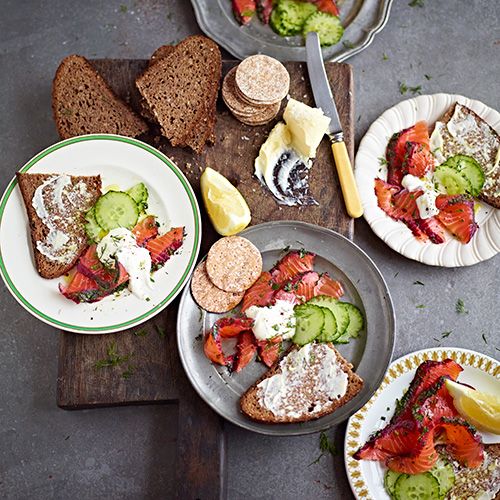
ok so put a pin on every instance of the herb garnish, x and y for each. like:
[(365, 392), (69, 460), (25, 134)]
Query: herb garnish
[(446, 334), (414, 90), (417, 3), (325, 445), (113, 358), (460, 307), (141, 333), (418, 283)]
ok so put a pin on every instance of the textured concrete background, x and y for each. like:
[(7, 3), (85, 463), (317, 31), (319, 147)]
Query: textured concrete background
[(47, 453)]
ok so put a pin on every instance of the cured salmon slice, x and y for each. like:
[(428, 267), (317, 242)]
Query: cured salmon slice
[(269, 350), (293, 263), (145, 230), (456, 213), (418, 159), (421, 459), (231, 327), (162, 248), (261, 292), (462, 442), (384, 193), (434, 403), (245, 349)]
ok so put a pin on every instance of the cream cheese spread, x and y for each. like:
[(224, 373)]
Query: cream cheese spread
[(120, 243), (284, 159), (59, 204), (310, 379), (272, 321)]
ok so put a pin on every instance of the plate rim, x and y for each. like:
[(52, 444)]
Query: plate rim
[(383, 8), (194, 208), (355, 422), (274, 430), (384, 227)]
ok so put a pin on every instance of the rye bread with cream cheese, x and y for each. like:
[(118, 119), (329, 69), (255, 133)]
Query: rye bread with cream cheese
[(57, 218), (462, 131), (482, 482), (181, 89), (303, 397)]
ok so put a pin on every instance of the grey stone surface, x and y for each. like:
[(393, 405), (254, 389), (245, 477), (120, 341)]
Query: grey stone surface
[(46, 453)]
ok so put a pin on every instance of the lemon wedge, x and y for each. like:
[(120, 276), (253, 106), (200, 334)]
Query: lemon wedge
[(481, 409), (226, 207)]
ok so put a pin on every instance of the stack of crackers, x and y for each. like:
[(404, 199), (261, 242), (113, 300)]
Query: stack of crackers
[(254, 89), (233, 265)]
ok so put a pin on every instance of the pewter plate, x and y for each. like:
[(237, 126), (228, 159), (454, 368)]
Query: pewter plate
[(364, 286), (361, 19)]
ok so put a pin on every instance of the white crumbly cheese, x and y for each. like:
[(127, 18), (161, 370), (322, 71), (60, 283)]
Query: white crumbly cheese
[(272, 321), (120, 243), (55, 202), (307, 126), (310, 378), (426, 202)]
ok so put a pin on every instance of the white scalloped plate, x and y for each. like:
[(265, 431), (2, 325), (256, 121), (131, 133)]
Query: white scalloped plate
[(366, 477), (484, 244)]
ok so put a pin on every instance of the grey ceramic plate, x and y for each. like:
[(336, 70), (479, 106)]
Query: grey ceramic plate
[(361, 19), (364, 286)]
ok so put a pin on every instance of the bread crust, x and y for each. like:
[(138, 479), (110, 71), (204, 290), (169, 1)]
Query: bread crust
[(46, 267), (83, 103), (251, 405)]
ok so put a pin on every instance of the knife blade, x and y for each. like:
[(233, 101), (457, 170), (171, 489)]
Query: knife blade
[(324, 100)]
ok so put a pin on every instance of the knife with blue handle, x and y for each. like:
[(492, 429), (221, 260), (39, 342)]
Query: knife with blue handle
[(324, 100)]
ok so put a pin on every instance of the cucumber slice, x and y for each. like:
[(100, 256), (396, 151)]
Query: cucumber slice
[(454, 181), (390, 478), (469, 167), (327, 26), (422, 486), (356, 323), (140, 194), (329, 331), (338, 309), (286, 19), (309, 322), (116, 209), (93, 230), (443, 471)]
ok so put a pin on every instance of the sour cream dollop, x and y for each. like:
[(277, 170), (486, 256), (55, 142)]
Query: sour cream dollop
[(274, 320), (120, 243), (426, 202)]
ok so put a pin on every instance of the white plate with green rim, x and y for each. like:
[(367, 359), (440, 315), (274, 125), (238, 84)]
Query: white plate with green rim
[(121, 162), (367, 477)]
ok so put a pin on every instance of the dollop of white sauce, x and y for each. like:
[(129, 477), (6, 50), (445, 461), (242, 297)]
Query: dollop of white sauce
[(120, 243), (315, 365), (271, 321), (426, 202)]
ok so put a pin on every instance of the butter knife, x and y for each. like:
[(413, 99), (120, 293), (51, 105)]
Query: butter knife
[(324, 100)]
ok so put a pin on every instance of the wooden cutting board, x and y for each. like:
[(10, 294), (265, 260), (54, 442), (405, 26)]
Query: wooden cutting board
[(156, 375)]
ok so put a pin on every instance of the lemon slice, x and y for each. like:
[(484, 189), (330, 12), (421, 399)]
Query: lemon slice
[(479, 408), (227, 209)]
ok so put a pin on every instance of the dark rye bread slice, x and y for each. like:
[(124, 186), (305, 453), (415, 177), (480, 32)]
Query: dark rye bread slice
[(305, 396), (66, 217), (474, 137), (181, 91), (482, 482), (83, 103)]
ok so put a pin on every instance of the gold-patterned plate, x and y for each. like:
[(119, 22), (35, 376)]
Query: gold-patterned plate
[(366, 477)]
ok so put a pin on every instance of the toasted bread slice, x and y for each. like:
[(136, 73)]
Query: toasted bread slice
[(83, 103), (56, 206), (462, 131), (483, 482), (181, 88), (309, 382)]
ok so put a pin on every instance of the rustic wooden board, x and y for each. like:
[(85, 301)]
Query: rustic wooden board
[(158, 376)]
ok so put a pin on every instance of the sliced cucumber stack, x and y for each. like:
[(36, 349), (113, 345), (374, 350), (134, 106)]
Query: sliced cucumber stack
[(461, 174), (309, 322), (327, 26), (116, 209)]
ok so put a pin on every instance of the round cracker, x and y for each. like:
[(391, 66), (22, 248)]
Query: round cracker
[(262, 79), (232, 99), (258, 119), (208, 296), (234, 264)]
